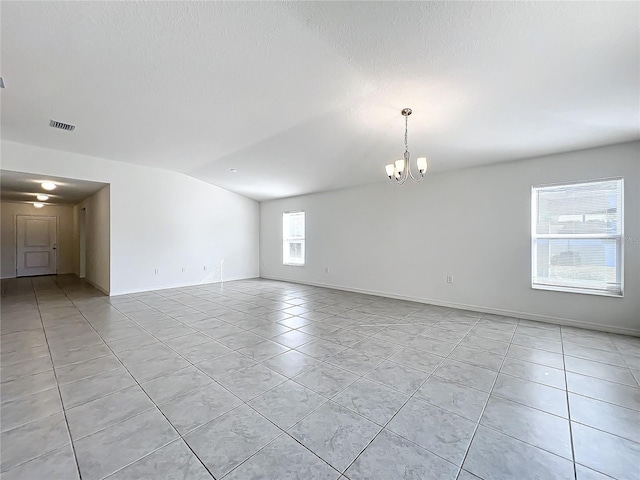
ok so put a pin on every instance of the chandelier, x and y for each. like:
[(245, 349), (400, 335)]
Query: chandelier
[(400, 171)]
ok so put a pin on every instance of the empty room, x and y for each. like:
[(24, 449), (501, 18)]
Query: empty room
[(372, 240)]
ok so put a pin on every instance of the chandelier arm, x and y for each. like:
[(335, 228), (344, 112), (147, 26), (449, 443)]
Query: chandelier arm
[(408, 172), (402, 178), (405, 172), (417, 180)]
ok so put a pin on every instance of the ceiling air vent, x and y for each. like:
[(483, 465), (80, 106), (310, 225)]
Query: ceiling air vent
[(62, 126)]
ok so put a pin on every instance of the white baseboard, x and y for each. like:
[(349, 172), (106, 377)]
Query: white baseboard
[(94, 285), (475, 308), (178, 285)]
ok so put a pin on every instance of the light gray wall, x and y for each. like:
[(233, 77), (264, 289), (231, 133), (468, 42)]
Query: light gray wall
[(158, 220), (66, 245), (473, 224), (97, 239)]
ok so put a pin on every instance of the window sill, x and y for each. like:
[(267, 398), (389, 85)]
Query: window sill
[(293, 264), (583, 291)]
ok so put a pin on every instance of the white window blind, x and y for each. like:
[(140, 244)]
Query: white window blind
[(293, 229), (577, 237)]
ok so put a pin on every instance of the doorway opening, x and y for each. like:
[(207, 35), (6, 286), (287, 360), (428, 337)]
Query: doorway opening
[(82, 242), (59, 230)]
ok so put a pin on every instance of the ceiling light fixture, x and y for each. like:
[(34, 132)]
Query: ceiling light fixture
[(48, 185), (38, 204), (400, 171), (42, 197)]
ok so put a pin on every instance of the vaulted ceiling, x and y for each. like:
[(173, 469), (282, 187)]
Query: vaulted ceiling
[(306, 96)]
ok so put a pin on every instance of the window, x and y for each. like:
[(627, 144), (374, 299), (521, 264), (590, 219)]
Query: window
[(293, 238), (577, 233)]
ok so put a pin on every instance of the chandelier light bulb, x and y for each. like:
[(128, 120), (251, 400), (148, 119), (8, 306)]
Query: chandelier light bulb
[(390, 170), (422, 165)]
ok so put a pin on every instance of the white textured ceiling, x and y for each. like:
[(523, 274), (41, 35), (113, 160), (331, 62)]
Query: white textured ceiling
[(306, 96), (23, 187)]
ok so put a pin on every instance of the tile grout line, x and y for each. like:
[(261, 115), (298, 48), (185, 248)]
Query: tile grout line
[(55, 375), (292, 379), (186, 393), (317, 339), (328, 400), (626, 363), (475, 431), (543, 411), (246, 403), (569, 407), (173, 351), (283, 431), (410, 398), (432, 325), (566, 384), (322, 361), (184, 299), (157, 408)]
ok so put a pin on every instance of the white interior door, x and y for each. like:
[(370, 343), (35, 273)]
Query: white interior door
[(37, 245)]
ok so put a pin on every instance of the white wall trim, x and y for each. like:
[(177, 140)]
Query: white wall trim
[(495, 311)]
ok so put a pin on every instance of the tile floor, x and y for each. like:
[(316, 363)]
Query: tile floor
[(259, 379)]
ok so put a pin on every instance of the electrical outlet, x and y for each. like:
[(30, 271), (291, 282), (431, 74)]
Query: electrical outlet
[(182, 269), (157, 271), (204, 268), (326, 269), (449, 278)]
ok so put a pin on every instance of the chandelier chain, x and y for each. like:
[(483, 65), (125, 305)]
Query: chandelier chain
[(406, 128)]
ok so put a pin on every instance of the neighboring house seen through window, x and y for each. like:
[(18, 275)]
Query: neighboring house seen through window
[(577, 237)]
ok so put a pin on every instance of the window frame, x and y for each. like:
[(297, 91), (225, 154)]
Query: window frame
[(618, 237), (287, 240)]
